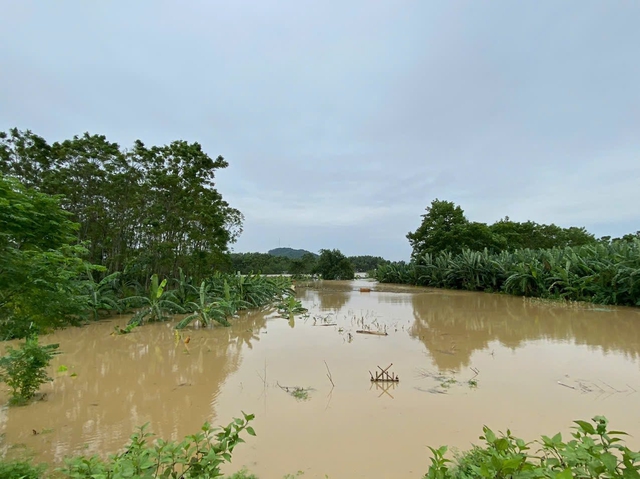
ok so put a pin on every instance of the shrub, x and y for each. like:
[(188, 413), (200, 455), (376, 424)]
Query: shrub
[(199, 455), (593, 452), (332, 264), (24, 369), (20, 470)]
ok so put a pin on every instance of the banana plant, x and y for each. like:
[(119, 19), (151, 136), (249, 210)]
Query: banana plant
[(203, 310), (101, 296), (290, 307), (157, 306), (185, 293)]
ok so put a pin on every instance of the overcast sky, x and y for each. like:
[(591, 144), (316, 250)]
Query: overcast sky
[(342, 121)]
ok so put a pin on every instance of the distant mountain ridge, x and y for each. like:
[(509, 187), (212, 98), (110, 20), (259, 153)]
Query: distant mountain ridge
[(290, 253)]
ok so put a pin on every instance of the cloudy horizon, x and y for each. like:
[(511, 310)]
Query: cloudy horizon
[(341, 122)]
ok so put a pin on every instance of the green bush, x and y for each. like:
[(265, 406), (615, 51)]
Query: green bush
[(332, 264), (20, 470), (594, 452), (199, 455), (24, 369)]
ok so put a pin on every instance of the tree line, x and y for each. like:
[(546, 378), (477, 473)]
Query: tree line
[(445, 227), (307, 264), (525, 259), (141, 210)]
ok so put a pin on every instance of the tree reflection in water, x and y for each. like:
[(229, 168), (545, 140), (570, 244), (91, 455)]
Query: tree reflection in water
[(453, 325)]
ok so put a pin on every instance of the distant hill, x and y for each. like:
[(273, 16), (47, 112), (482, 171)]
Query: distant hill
[(290, 253)]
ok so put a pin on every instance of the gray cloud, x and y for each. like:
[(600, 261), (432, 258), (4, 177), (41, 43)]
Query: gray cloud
[(342, 121)]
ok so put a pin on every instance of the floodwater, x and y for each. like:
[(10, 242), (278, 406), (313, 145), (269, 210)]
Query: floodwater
[(463, 359)]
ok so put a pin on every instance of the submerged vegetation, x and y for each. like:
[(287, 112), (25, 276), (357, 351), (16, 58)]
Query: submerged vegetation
[(24, 369), (599, 273), (222, 296), (46, 281)]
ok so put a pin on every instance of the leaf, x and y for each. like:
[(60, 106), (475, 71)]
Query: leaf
[(512, 464), (609, 461), (586, 427), (566, 474), (490, 436), (501, 444), (250, 431)]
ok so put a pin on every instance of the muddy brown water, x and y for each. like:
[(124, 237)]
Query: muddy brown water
[(521, 349)]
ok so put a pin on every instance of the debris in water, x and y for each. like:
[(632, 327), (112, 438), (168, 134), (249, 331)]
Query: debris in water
[(376, 333), (384, 375)]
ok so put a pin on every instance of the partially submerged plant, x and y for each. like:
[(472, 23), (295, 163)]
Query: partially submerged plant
[(290, 307), (206, 311), (222, 296), (101, 295), (24, 368), (117, 330), (298, 392), (446, 382), (185, 291), (157, 305)]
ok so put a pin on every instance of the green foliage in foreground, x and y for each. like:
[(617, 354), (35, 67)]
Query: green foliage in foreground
[(593, 452), (40, 264), (21, 469), (199, 455), (24, 369), (605, 273)]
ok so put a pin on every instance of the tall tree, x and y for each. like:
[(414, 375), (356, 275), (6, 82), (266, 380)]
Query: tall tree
[(439, 229), (145, 210), (332, 264)]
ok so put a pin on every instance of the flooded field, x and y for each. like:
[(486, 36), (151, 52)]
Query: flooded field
[(463, 359)]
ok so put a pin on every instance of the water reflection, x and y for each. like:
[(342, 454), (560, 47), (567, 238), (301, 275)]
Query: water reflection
[(397, 298), (328, 295), (453, 325)]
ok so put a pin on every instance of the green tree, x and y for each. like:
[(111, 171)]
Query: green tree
[(146, 210), (332, 264), (439, 230), (445, 228), (40, 264)]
